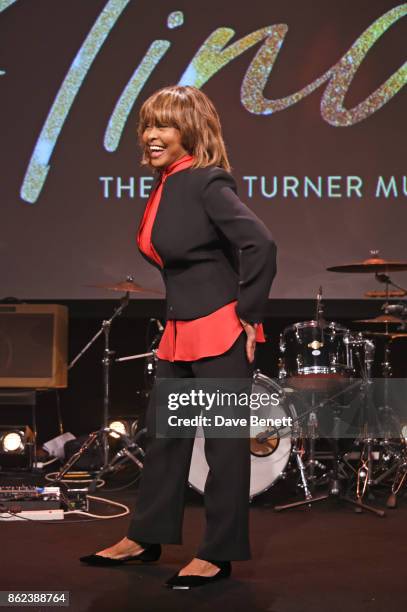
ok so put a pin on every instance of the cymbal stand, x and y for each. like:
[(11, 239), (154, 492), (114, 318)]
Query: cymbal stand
[(390, 450), (389, 419), (364, 471), (395, 451), (400, 466), (106, 363)]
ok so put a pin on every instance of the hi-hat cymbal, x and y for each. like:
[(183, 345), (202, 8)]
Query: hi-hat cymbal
[(127, 286), (372, 265), (381, 320)]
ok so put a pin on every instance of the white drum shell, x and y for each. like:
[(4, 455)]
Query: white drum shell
[(265, 471)]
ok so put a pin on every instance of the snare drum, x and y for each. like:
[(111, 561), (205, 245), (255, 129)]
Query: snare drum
[(314, 356), (268, 459)]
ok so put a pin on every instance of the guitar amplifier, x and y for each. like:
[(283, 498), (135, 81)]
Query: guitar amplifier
[(33, 345)]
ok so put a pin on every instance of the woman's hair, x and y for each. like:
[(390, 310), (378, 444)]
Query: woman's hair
[(190, 111)]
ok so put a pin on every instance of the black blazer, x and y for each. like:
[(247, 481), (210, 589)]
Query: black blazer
[(213, 247)]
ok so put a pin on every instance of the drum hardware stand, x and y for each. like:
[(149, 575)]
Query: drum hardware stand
[(106, 363), (301, 468), (263, 436), (139, 356), (364, 471), (334, 486), (312, 428), (400, 467), (385, 278), (398, 482), (389, 420)]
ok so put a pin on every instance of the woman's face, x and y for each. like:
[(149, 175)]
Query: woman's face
[(163, 145)]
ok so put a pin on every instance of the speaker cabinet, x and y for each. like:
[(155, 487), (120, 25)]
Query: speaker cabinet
[(33, 345)]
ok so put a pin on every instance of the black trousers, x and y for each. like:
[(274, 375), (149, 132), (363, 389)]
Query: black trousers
[(160, 503)]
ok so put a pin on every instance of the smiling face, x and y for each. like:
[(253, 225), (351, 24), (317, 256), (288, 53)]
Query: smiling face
[(180, 120), (162, 145)]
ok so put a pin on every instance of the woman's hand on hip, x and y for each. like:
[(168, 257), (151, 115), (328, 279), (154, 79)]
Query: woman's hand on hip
[(250, 339)]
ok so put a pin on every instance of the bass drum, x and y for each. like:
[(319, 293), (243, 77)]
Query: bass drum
[(269, 458)]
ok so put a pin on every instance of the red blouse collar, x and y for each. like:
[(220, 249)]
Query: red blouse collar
[(181, 164)]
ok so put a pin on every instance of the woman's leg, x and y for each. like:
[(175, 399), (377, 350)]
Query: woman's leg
[(228, 483), (160, 501)]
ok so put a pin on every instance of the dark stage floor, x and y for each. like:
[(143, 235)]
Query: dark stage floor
[(326, 558)]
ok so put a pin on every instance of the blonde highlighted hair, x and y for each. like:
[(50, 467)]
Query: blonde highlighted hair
[(190, 111)]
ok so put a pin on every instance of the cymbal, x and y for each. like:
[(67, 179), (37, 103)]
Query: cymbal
[(381, 320), (383, 294), (390, 335), (127, 286), (374, 264)]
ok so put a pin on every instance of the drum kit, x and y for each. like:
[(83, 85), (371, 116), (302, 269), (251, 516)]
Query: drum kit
[(325, 371)]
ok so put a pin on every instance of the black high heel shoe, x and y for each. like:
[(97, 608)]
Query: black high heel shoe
[(151, 553), (190, 581)]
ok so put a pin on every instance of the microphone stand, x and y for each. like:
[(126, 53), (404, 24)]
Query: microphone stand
[(128, 452)]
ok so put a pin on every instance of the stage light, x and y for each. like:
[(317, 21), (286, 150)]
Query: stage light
[(404, 431), (123, 425), (16, 447), (13, 442), (119, 427)]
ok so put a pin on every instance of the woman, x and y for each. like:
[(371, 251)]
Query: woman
[(218, 261)]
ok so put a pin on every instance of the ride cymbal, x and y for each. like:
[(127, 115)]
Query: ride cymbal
[(372, 265)]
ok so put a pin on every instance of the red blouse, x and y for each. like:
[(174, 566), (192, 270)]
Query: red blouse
[(207, 336)]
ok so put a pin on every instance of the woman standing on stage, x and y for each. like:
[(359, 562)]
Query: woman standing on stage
[(218, 261)]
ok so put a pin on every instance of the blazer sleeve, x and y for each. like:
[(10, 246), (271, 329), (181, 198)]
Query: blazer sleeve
[(247, 233)]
